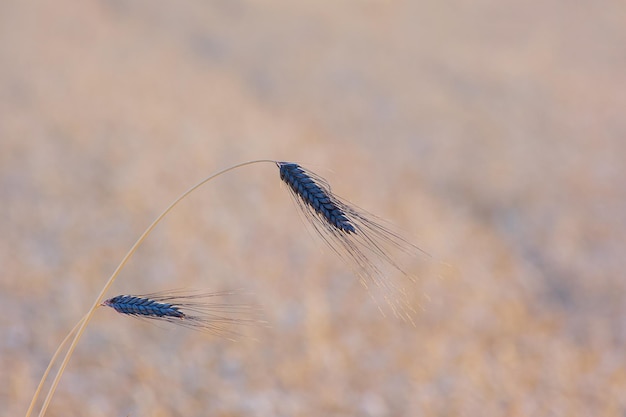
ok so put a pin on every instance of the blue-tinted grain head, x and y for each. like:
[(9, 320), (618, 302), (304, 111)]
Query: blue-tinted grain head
[(315, 193)]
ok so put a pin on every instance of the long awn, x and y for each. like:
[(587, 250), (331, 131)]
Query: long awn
[(357, 236), (195, 310)]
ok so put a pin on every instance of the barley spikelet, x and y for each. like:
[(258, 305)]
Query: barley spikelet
[(365, 241), (193, 310), (133, 305)]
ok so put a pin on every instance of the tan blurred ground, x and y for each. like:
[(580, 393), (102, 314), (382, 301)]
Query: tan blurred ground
[(493, 132)]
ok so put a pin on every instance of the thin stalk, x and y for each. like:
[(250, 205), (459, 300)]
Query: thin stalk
[(47, 371), (117, 271)]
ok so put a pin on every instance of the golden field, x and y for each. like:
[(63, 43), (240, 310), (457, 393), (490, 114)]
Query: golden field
[(492, 133)]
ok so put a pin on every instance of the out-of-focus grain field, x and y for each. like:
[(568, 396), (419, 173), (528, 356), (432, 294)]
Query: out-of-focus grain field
[(493, 133)]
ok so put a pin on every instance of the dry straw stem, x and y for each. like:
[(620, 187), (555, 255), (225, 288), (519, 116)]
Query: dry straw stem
[(357, 236), (47, 371)]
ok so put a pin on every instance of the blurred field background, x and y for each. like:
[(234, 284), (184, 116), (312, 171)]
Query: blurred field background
[(493, 133)]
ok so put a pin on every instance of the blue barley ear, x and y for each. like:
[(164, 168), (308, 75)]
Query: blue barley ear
[(192, 309), (315, 193), (362, 239), (142, 306)]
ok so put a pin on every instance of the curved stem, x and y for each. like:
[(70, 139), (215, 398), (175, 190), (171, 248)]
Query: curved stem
[(106, 287), (47, 371)]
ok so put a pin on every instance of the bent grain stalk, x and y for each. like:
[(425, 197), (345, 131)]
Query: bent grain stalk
[(357, 236), (111, 280)]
